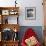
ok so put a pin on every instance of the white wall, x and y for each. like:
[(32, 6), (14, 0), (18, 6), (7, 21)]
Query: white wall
[(27, 3), (7, 3), (39, 12)]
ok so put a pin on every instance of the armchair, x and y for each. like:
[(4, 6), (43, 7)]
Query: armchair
[(30, 38)]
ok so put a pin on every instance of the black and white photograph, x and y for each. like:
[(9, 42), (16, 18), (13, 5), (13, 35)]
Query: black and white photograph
[(30, 13)]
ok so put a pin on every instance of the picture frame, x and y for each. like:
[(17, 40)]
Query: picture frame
[(5, 12), (30, 13)]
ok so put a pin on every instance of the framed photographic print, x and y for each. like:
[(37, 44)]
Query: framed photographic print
[(5, 12), (30, 13)]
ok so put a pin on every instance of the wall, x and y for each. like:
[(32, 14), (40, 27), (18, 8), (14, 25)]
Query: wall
[(7, 3), (25, 3), (39, 13)]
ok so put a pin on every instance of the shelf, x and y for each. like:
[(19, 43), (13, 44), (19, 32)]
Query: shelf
[(9, 19), (6, 12), (8, 15), (11, 41), (10, 26), (9, 10)]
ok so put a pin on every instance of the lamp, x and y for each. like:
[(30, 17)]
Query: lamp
[(15, 3)]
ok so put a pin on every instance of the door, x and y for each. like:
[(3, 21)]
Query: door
[(44, 6)]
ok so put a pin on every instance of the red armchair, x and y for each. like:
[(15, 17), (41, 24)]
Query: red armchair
[(28, 34)]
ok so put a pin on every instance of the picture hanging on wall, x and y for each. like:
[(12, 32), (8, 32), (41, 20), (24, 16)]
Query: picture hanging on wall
[(30, 13)]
